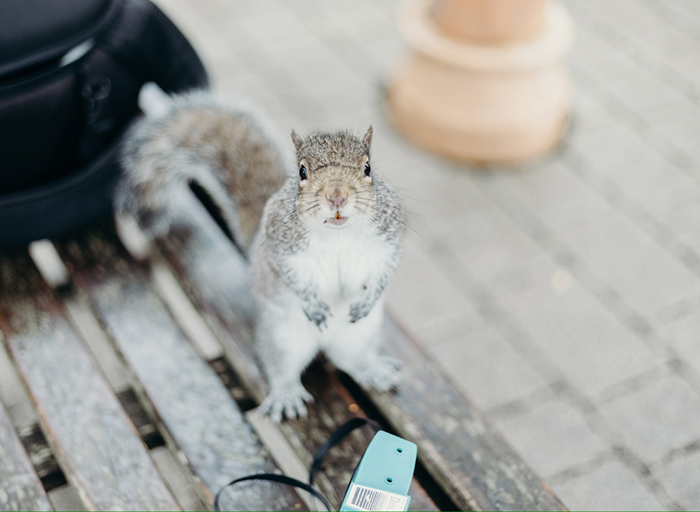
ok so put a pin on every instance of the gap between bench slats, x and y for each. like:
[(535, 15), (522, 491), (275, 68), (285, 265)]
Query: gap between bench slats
[(20, 487), (96, 445), (184, 392), (457, 444)]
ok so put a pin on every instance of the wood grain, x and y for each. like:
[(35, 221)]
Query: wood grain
[(218, 286), (96, 445), (20, 487), (188, 399)]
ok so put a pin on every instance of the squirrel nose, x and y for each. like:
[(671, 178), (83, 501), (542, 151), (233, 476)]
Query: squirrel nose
[(337, 200)]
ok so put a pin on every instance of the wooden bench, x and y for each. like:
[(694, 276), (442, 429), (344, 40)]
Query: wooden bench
[(117, 360)]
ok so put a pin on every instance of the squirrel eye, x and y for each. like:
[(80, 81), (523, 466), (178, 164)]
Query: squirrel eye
[(302, 173), (368, 169)]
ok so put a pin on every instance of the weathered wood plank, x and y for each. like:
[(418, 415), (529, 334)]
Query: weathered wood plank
[(20, 487), (94, 441), (185, 394), (219, 287)]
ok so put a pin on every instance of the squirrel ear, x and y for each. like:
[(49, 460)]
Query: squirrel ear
[(367, 139), (297, 140)]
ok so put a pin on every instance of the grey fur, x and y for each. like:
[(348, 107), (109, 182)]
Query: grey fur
[(270, 212), (283, 231), (226, 149)]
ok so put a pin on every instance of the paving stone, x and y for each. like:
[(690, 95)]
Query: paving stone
[(638, 170), (491, 245), (672, 200), (610, 63), (684, 135), (669, 112), (589, 48), (592, 349), (568, 216), (487, 368), (548, 186), (680, 478), (610, 486), (486, 260), (553, 437), (589, 115), (657, 418), (420, 295), (642, 272), (641, 90), (251, 90), (684, 336), (684, 223), (540, 273)]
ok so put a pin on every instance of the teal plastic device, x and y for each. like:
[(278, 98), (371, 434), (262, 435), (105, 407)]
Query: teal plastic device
[(383, 477)]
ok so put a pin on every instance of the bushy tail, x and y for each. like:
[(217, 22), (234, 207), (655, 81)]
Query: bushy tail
[(155, 172), (157, 166)]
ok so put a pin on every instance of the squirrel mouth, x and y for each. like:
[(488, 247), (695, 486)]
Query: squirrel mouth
[(337, 220)]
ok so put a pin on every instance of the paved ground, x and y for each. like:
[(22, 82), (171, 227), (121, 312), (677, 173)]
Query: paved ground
[(563, 297)]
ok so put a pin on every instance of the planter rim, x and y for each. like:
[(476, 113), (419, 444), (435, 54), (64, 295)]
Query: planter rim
[(548, 47)]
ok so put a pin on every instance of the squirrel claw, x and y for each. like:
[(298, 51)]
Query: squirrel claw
[(287, 403), (358, 312), (318, 317)]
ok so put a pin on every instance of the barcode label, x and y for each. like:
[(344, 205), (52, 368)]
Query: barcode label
[(366, 498)]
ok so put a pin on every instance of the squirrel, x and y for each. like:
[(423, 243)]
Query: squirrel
[(322, 241)]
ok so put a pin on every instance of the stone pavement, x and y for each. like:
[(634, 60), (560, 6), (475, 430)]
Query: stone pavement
[(563, 296)]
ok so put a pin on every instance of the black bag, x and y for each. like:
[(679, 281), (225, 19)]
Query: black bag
[(70, 73)]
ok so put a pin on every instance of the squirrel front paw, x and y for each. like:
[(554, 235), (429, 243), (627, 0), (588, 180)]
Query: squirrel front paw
[(381, 373), (288, 402), (359, 310), (317, 312)]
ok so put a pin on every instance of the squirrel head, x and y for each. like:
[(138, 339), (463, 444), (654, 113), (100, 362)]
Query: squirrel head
[(335, 177)]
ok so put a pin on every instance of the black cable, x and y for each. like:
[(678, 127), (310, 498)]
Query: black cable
[(334, 439), (273, 477)]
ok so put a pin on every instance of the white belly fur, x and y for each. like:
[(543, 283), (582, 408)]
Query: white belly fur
[(339, 264)]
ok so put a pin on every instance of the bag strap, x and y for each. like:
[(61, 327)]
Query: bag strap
[(337, 436)]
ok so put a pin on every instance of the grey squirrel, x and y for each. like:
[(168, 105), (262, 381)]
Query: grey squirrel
[(322, 240)]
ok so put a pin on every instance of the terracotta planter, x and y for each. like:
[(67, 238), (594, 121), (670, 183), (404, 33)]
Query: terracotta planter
[(490, 20), (483, 102)]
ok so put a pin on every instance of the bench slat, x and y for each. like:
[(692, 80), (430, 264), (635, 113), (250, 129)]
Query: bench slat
[(187, 396), (457, 444), (215, 277), (20, 488), (97, 446)]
